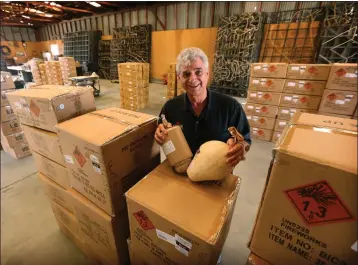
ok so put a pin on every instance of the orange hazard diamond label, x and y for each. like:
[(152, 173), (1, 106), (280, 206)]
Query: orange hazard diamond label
[(34, 109), (79, 157), (341, 72), (143, 220), (318, 203)]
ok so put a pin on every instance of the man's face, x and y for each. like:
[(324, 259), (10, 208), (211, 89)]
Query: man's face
[(194, 77)]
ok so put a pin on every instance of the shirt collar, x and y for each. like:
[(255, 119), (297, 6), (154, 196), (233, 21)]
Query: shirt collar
[(187, 104)]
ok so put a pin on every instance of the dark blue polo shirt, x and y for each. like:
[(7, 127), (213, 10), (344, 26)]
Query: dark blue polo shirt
[(220, 113)]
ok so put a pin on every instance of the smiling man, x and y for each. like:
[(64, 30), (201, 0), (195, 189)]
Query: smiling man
[(204, 115)]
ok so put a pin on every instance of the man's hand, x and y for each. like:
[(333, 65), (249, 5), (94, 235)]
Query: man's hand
[(235, 154), (160, 134)]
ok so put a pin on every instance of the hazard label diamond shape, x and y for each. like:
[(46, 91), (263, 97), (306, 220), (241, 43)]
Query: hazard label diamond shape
[(319, 203), (143, 220), (79, 156)]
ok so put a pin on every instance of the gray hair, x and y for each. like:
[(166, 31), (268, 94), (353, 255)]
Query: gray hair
[(188, 55)]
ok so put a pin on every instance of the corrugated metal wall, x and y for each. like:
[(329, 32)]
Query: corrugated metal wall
[(17, 34), (172, 16)]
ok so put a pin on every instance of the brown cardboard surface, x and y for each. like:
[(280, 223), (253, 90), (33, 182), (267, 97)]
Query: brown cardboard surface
[(300, 101), (275, 136), (172, 68), (18, 151), (56, 193), (10, 127), (66, 217), (262, 97), (256, 260), (266, 84), (343, 76), (261, 110), (107, 151), (304, 87), (44, 108), (356, 112), (52, 170), (45, 143), (4, 100), (285, 113), (13, 139), (334, 115), (274, 70), (308, 71), (134, 66), (261, 122), (338, 102), (314, 158), (7, 114), (193, 233), (261, 134), (6, 81), (132, 84), (102, 232), (281, 124)]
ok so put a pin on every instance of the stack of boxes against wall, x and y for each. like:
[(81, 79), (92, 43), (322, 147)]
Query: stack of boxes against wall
[(13, 139), (340, 96), (68, 68), (308, 211), (37, 71), (134, 85), (53, 72), (174, 88), (277, 91)]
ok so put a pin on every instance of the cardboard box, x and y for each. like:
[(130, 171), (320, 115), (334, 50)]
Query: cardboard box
[(4, 100), (261, 110), (7, 114), (262, 97), (281, 124), (308, 71), (102, 232), (266, 84), (275, 136), (312, 191), (256, 260), (18, 151), (304, 87), (6, 81), (52, 170), (261, 134), (356, 112), (172, 76), (172, 68), (343, 76), (171, 85), (57, 193), (10, 127), (261, 122), (133, 66), (338, 102), (45, 143), (133, 84), (286, 113), (118, 152), (334, 115), (300, 101), (44, 108), (13, 139), (193, 233), (66, 217), (273, 70)]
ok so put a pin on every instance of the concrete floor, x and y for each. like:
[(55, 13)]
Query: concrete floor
[(29, 232)]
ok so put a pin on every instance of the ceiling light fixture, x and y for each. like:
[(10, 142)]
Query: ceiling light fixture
[(21, 21), (46, 2), (26, 16), (52, 4), (94, 4), (48, 15), (58, 5)]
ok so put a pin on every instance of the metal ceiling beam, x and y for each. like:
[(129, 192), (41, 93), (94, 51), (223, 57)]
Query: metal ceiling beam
[(62, 7), (15, 24)]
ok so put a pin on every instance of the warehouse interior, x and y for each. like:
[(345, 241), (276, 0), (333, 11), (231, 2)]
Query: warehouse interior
[(292, 66)]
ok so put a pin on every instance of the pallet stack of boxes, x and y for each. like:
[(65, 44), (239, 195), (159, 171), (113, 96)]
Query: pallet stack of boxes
[(36, 71), (171, 81), (13, 140), (278, 90), (53, 72), (134, 85), (340, 96), (68, 67), (42, 69)]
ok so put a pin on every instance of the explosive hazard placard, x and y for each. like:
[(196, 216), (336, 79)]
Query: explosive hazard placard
[(318, 203)]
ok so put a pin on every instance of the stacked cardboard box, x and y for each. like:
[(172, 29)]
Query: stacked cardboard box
[(53, 72), (35, 70), (39, 111), (134, 85), (13, 139), (68, 67), (192, 233), (171, 81), (43, 74), (265, 89), (309, 206), (255, 260), (106, 153), (340, 96)]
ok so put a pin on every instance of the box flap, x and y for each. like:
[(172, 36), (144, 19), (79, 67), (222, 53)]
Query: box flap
[(199, 208), (101, 127), (332, 143)]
